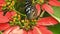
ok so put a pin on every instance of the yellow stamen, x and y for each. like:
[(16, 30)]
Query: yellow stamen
[(35, 20), (14, 20), (10, 0), (42, 1), (22, 20), (13, 3), (18, 16), (15, 15)]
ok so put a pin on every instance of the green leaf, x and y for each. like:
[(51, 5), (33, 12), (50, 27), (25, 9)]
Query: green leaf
[(55, 29), (56, 13), (0, 32), (19, 6)]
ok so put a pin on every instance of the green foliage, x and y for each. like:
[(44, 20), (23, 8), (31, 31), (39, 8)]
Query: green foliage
[(55, 29), (56, 13), (0, 32), (19, 6)]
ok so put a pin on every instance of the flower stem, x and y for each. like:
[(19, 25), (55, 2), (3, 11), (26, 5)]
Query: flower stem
[(42, 14), (0, 32), (33, 1), (20, 13)]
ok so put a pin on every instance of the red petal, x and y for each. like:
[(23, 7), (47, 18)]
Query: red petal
[(30, 32), (8, 30), (54, 3), (38, 9), (3, 19), (25, 32), (10, 14), (1, 13), (41, 30), (53, 0), (0, 8), (35, 31), (13, 13), (4, 26), (14, 30), (47, 8), (47, 21), (2, 2)]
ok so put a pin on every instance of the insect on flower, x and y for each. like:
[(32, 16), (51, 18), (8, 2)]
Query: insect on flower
[(31, 10)]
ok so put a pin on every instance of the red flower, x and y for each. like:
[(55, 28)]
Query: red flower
[(7, 17), (40, 26), (38, 9), (47, 21), (0, 8), (4, 26), (47, 7), (2, 2), (10, 14), (38, 29), (14, 30), (3, 19), (54, 2)]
